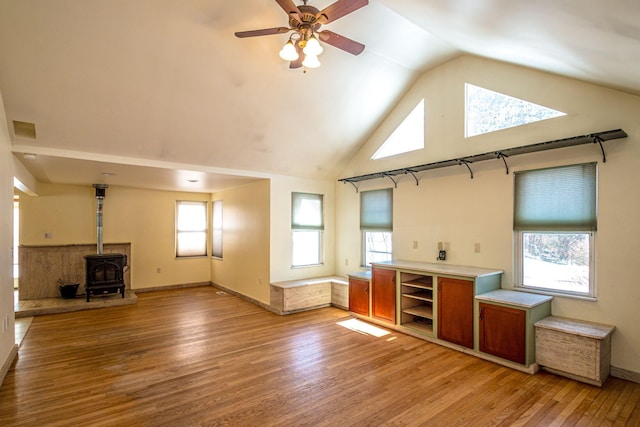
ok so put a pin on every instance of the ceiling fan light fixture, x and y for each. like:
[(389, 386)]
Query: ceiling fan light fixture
[(289, 52), (311, 61), (313, 46)]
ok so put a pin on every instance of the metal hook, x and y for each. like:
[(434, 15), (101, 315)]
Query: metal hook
[(598, 140), (466, 163), (395, 184), (412, 173), (503, 157)]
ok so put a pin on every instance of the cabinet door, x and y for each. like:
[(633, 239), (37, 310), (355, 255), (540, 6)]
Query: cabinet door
[(455, 311), (383, 295), (359, 296), (502, 332)]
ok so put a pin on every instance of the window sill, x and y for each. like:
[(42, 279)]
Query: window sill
[(555, 294), (295, 267)]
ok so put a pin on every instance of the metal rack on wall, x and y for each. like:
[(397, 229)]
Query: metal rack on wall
[(467, 161)]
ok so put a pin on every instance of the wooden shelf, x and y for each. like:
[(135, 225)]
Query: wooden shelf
[(420, 295), (423, 327), (425, 311), (424, 282)]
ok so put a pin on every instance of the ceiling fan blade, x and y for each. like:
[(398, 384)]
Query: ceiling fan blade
[(298, 62), (341, 42), (289, 7), (339, 9), (263, 32)]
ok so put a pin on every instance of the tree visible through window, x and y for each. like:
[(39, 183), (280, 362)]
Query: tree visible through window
[(488, 111)]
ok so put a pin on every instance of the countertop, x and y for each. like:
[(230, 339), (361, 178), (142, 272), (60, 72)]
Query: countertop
[(429, 267), (520, 299), (361, 275)]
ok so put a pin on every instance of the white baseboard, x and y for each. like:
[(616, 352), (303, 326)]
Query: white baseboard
[(625, 374), (7, 363)]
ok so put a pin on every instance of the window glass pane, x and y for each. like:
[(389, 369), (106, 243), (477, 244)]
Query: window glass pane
[(488, 111), (557, 261), (376, 210), (377, 246), (408, 136), (191, 229), (192, 243), (307, 248), (192, 216), (306, 211), (562, 198), (216, 249)]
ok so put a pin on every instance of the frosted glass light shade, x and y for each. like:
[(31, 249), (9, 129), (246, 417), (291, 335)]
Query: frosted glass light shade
[(311, 61), (313, 47), (289, 52)]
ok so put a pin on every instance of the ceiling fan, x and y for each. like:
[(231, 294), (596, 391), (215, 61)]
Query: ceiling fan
[(305, 21)]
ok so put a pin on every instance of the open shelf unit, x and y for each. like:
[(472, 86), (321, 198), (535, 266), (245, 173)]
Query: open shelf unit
[(417, 301)]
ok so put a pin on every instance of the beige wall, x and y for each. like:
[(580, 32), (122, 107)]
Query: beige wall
[(7, 336), (144, 218), (244, 266), (449, 206)]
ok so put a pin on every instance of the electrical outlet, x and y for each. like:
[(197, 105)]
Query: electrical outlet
[(415, 244), (47, 235), (346, 261), (476, 248), (158, 270)]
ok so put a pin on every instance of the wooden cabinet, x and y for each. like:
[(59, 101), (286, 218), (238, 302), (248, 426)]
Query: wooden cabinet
[(359, 296), (502, 332), (383, 294), (416, 293), (455, 311)]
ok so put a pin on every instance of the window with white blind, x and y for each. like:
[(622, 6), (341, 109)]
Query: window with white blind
[(216, 226), (191, 229), (555, 221), (307, 225), (376, 224)]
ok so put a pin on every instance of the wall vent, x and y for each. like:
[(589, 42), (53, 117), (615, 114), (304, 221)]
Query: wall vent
[(24, 129)]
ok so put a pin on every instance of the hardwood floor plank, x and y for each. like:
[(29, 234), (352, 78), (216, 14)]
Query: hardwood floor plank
[(196, 357)]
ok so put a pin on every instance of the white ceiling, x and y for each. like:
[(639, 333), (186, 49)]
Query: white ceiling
[(159, 92)]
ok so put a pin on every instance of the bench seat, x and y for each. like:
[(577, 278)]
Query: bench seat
[(305, 294)]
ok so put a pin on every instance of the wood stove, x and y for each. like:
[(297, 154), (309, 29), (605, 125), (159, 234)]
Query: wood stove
[(104, 274)]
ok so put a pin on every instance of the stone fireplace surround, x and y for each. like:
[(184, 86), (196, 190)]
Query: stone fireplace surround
[(41, 266)]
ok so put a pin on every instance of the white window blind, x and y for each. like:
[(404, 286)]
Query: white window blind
[(376, 210), (561, 198), (216, 244)]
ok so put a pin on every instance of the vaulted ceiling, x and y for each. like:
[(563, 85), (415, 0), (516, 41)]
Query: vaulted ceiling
[(159, 93)]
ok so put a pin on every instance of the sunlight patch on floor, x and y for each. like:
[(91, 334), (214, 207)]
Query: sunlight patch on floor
[(363, 328)]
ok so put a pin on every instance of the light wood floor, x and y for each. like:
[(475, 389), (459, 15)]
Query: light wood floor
[(195, 357)]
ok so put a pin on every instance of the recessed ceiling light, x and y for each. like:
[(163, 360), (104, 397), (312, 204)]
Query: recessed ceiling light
[(30, 156), (193, 181), (108, 174)]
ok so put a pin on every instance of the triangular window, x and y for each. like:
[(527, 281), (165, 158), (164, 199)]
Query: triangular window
[(488, 111), (408, 136)]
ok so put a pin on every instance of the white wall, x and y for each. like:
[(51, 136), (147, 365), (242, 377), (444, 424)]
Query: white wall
[(7, 337), (449, 206)]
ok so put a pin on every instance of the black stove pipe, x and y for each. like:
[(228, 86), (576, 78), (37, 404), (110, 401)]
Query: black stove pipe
[(100, 193)]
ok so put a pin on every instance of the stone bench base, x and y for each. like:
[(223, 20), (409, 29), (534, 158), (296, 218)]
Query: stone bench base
[(306, 294)]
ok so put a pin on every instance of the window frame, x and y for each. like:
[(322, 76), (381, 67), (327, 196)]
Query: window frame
[(298, 226), (179, 232), (217, 224), (581, 221)]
